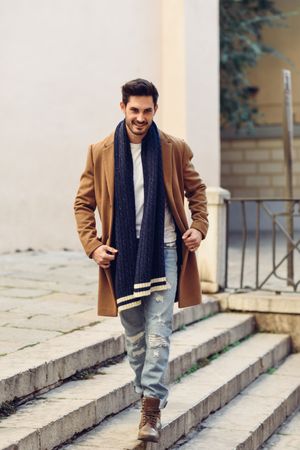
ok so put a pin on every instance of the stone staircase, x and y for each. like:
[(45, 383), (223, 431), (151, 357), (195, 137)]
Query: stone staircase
[(230, 387)]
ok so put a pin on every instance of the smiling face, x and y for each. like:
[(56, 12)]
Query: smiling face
[(139, 113)]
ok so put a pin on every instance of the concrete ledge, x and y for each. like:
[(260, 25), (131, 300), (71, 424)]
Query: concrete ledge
[(209, 287), (273, 313), (260, 301)]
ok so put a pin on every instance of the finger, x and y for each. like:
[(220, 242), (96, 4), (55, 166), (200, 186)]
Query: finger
[(186, 234), (191, 240), (110, 249), (107, 257)]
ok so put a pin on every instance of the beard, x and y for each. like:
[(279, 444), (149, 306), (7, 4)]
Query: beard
[(138, 128)]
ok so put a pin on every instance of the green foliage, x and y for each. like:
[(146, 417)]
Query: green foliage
[(241, 46)]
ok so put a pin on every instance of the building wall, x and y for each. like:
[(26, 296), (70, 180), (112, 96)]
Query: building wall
[(255, 168), (62, 65)]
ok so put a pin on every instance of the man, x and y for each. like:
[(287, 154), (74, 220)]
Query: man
[(137, 178)]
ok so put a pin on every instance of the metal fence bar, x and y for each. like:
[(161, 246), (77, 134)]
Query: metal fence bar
[(245, 235), (293, 244), (257, 232), (227, 243)]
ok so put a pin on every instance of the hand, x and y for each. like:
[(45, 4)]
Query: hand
[(103, 255), (192, 239)]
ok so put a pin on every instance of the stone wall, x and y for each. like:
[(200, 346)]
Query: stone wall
[(255, 167)]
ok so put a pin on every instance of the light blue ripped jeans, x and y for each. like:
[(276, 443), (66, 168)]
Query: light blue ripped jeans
[(147, 331)]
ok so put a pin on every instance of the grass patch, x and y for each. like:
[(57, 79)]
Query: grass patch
[(90, 372), (196, 366), (7, 408), (271, 370), (29, 345)]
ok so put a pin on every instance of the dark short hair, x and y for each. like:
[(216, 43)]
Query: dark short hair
[(139, 87)]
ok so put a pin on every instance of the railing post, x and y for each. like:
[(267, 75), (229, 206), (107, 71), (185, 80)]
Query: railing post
[(211, 256)]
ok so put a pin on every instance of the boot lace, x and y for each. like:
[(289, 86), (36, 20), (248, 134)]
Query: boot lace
[(149, 416)]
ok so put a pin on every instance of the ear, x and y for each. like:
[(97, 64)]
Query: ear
[(123, 107), (155, 108)]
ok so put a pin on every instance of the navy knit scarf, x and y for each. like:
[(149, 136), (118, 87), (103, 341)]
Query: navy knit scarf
[(139, 267)]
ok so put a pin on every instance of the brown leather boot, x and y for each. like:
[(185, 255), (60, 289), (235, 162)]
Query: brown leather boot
[(150, 420)]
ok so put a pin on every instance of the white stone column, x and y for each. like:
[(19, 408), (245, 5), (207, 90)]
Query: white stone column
[(202, 86), (172, 100), (211, 255)]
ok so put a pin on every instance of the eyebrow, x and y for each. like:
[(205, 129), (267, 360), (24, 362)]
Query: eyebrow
[(133, 108)]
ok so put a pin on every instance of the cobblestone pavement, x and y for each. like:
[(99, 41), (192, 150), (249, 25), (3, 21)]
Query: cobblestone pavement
[(48, 293)]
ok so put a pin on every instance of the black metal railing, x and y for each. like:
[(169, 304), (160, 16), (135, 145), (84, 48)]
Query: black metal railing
[(282, 227)]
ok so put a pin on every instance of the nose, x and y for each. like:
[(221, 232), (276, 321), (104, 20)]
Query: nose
[(140, 118)]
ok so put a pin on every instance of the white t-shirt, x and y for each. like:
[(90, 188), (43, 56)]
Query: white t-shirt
[(138, 179)]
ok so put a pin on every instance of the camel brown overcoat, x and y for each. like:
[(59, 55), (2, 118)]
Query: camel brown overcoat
[(96, 190)]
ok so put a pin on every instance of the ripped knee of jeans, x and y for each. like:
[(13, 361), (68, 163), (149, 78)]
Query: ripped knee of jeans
[(155, 341)]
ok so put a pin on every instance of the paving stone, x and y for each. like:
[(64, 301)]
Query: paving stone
[(7, 317), (69, 298), (14, 282), (11, 334), (53, 322), (12, 339), (10, 304), (23, 293), (39, 306)]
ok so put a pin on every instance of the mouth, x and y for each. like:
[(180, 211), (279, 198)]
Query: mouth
[(139, 125)]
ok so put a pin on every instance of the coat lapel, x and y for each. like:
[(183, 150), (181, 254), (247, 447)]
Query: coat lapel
[(109, 167), (167, 153)]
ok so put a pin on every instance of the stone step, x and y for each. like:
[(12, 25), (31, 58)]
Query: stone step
[(253, 415), (194, 397), (287, 437), (71, 408), (36, 369)]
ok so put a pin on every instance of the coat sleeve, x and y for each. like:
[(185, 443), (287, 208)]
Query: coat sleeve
[(84, 207), (195, 192)]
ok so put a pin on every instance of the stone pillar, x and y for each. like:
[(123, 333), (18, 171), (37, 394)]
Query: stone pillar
[(203, 87), (189, 100), (211, 255)]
